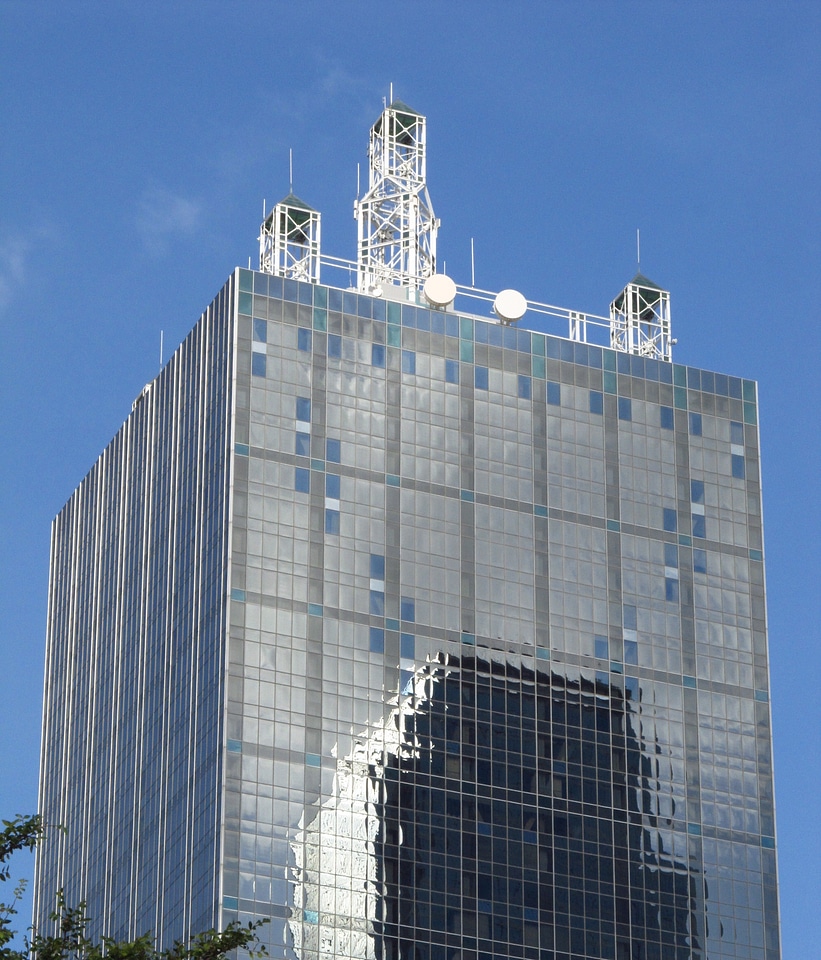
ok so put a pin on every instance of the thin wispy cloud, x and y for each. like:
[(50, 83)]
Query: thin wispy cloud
[(163, 215), (14, 256)]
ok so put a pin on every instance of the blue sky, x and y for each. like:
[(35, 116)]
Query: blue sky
[(137, 146)]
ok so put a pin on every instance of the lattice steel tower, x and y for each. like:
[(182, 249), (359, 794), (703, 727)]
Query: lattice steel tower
[(640, 320), (396, 225), (289, 241)]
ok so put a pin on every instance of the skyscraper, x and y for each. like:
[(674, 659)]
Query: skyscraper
[(416, 632)]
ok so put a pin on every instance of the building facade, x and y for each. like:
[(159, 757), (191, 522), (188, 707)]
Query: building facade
[(420, 636)]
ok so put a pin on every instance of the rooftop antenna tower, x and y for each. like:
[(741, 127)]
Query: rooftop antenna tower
[(395, 223), (289, 239), (640, 320)]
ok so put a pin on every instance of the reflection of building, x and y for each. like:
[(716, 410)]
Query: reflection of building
[(420, 635)]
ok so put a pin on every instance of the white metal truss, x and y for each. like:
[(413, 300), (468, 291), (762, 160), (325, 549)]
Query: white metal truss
[(396, 225), (289, 241), (640, 320)]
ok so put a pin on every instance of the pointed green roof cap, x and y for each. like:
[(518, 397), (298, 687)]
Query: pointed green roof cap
[(641, 281), (293, 201), (401, 107)]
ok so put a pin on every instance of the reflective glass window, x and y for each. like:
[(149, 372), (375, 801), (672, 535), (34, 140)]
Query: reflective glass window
[(596, 402), (695, 424), (377, 640), (554, 393), (333, 450), (480, 378), (258, 364), (670, 519), (332, 522), (736, 432), (260, 330), (303, 444), (302, 480), (334, 346), (303, 409), (666, 418), (303, 339), (738, 466)]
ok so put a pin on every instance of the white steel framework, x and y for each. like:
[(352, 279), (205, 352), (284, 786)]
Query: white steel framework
[(289, 241), (640, 320), (396, 225)]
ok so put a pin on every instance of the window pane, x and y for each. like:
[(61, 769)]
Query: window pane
[(333, 451), (302, 480)]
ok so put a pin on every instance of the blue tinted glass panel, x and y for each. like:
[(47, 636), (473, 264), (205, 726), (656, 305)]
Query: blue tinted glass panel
[(303, 339), (302, 480), (554, 394), (629, 615), (631, 651), (407, 646), (524, 387), (670, 520), (666, 418), (671, 589), (699, 526), (260, 330), (258, 364), (332, 522), (407, 609), (695, 424), (736, 432), (625, 408), (697, 491), (377, 640), (378, 355), (377, 606), (303, 444), (334, 346), (377, 567), (408, 361), (738, 466), (670, 555), (700, 561), (480, 378), (333, 451), (452, 371), (303, 409), (332, 484), (596, 402), (602, 648)]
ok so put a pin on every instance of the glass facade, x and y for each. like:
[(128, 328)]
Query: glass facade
[(431, 638)]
